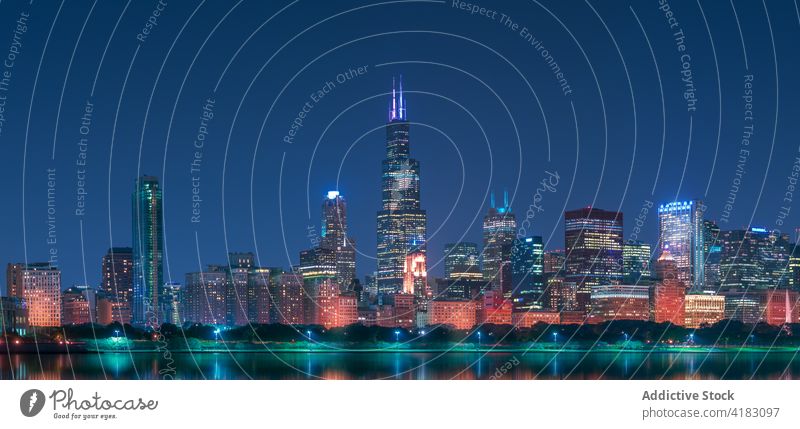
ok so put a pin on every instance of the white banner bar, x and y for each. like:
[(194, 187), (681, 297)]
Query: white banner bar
[(400, 404)]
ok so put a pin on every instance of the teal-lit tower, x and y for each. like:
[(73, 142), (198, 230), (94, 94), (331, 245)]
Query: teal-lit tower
[(401, 222), (148, 252)]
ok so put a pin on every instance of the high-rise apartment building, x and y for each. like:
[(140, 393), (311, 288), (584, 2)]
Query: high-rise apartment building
[(148, 251)]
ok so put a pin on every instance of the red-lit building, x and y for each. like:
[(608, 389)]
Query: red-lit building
[(526, 319), (404, 310), (460, 314), (780, 306), (573, 317), (338, 311), (668, 295), (415, 275), (495, 309), (78, 305)]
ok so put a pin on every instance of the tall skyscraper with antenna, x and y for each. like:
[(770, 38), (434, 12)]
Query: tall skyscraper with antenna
[(401, 222), (499, 232)]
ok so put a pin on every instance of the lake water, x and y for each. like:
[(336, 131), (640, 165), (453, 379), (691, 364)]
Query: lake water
[(412, 366)]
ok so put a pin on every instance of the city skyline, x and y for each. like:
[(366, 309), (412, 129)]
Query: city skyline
[(151, 125)]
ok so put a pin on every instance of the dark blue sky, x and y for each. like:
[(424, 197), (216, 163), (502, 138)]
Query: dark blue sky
[(473, 85)]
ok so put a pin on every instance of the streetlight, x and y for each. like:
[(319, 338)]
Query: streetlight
[(116, 332), (691, 338), (555, 337), (396, 338), (479, 339), (216, 333)]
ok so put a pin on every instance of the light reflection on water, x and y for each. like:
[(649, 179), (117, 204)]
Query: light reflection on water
[(403, 366)]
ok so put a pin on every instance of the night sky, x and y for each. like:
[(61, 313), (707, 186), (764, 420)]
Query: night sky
[(487, 112)]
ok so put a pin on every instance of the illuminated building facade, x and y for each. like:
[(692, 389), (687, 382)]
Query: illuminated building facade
[(13, 315), (794, 268), (171, 303), (780, 306), (593, 240), (401, 221), (237, 287), (39, 285), (668, 294), (619, 302), (259, 299), (415, 275), (499, 233), (148, 251), (117, 281), (334, 237), (559, 295), (461, 260), (318, 268), (289, 300), (404, 310), (205, 297), (681, 232), (460, 314), (753, 259), (526, 319), (712, 249), (527, 273), (703, 309), (78, 305), (554, 261), (744, 306), (495, 309), (636, 262)]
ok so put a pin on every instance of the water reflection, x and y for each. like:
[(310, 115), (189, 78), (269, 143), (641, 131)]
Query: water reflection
[(404, 366)]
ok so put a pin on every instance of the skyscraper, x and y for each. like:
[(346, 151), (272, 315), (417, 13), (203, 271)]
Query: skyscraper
[(681, 232), (39, 284), (335, 238), (461, 260), (148, 251), (117, 273), (401, 221), (712, 251), (636, 262), (593, 241), (753, 259), (499, 232), (318, 267), (667, 296), (527, 273)]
